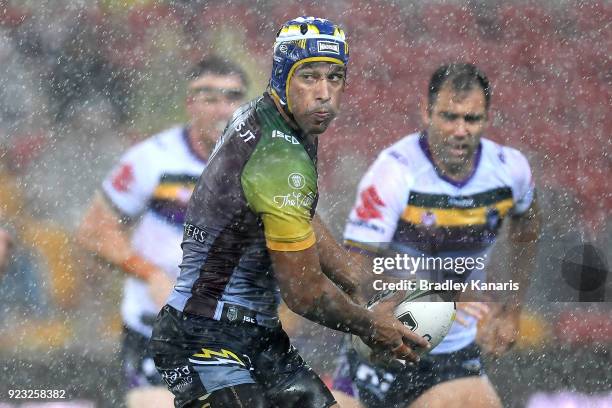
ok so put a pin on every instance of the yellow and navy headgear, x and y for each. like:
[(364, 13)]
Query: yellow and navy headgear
[(304, 39)]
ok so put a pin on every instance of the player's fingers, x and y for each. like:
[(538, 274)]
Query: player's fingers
[(411, 337), (480, 308), (403, 352), (461, 320), (474, 309)]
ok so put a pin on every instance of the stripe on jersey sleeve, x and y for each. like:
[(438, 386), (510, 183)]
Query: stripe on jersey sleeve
[(306, 243)]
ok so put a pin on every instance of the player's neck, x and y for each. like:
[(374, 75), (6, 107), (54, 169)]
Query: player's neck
[(284, 115), (455, 173)]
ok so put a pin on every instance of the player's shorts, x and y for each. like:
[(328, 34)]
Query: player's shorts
[(138, 366), (197, 356), (392, 387)]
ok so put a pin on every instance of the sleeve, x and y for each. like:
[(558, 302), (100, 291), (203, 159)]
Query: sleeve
[(131, 183), (381, 198), (283, 194), (523, 186)]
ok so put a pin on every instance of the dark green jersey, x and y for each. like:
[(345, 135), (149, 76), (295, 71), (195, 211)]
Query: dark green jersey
[(258, 191)]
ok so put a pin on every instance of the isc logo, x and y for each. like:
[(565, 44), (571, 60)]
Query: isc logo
[(288, 138)]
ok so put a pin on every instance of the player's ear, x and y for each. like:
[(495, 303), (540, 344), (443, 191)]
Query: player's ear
[(189, 103), (425, 112)]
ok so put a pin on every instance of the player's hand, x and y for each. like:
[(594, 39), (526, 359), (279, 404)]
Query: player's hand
[(499, 331), (477, 310), (160, 286), (389, 337)]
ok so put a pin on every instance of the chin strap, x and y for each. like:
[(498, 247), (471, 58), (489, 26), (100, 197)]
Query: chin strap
[(283, 107)]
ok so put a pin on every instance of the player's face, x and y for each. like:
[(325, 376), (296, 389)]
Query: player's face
[(454, 126), (314, 95), (211, 101)]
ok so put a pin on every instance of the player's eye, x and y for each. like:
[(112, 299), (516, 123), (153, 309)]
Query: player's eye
[(448, 116), (473, 118), (336, 77), (308, 76)]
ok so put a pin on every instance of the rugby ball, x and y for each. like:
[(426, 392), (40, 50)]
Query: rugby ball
[(425, 313)]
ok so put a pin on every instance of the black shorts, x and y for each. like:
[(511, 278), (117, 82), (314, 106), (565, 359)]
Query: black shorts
[(138, 366), (392, 387), (197, 356)]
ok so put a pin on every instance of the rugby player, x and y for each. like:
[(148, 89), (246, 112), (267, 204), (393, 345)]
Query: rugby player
[(136, 220), (250, 239), (445, 192)]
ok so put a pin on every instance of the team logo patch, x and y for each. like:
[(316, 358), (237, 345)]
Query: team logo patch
[(473, 365), (328, 47), (232, 313), (428, 218), (296, 180), (212, 357)]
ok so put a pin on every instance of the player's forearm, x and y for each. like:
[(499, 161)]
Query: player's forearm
[(332, 308), (522, 264), (524, 236), (101, 233), (340, 266)]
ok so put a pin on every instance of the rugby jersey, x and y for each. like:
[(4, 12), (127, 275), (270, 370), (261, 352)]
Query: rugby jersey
[(258, 191), (404, 203)]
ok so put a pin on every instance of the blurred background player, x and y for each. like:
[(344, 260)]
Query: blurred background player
[(444, 192), (135, 221), (250, 240)]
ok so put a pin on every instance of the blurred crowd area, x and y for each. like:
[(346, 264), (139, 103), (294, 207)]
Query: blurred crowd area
[(82, 80)]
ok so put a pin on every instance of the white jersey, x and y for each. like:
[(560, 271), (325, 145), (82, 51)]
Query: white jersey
[(404, 203), (152, 185)]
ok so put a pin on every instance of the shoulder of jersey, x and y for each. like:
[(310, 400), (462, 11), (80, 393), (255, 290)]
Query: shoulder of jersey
[(168, 139), (500, 156), (405, 152)]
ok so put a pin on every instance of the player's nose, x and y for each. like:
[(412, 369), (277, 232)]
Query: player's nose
[(461, 129), (322, 90)]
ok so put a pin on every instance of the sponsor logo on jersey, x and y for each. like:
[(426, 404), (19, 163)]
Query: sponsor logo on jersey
[(294, 199), (296, 180), (277, 134), (369, 204), (328, 47), (461, 201), (178, 378), (247, 135), (194, 232), (212, 357), (123, 178)]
